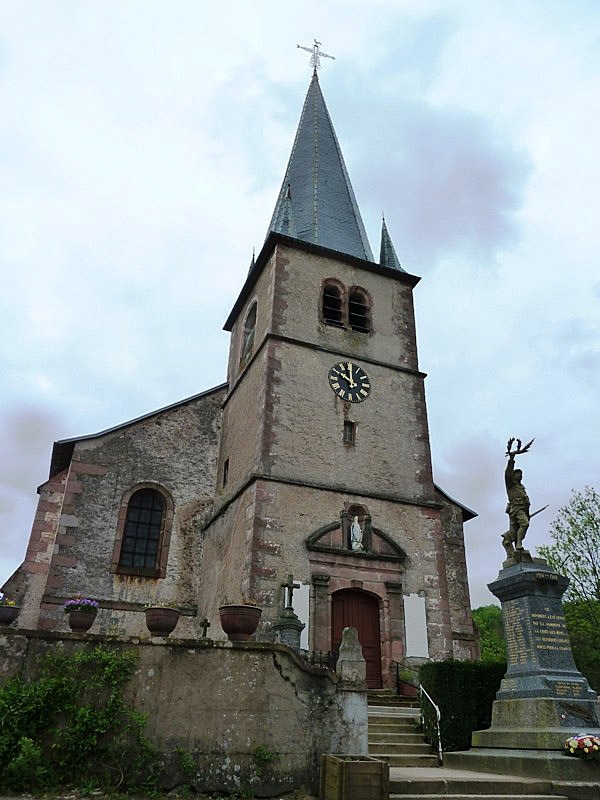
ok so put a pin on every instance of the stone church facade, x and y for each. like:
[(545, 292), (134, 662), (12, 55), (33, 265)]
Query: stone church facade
[(313, 459)]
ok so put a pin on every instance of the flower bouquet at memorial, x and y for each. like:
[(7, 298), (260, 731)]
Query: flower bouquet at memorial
[(81, 613), (584, 745)]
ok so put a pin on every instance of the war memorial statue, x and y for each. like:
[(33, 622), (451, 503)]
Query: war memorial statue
[(543, 698), (518, 505)]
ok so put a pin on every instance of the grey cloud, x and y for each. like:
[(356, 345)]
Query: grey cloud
[(26, 435), (447, 182)]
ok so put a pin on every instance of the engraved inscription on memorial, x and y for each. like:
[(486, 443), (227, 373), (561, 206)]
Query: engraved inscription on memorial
[(568, 689), (549, 631), (518, 636)]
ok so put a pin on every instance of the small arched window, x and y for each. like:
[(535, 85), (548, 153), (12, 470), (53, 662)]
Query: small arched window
[(143, 529), (359, 314), (332, 305), (248, 334)]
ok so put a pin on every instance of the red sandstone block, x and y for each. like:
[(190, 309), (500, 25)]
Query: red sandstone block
[(55, 582), (48, 505), (63, 561), (45, 526), (36, 567), (37, 547), (64, 539), (88, 469)]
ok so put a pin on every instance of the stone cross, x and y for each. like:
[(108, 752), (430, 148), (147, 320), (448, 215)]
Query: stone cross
[(289, 585), (205, 624)]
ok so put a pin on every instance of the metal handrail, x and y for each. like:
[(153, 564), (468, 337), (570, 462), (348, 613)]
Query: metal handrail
[(401, 664), (438, 716)]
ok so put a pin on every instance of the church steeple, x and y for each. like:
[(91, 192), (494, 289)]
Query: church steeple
[(316, 195)]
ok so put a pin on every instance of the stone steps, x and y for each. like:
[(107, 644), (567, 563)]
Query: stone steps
[(414, 771), (477, 794), (428, 784), (393, 735)]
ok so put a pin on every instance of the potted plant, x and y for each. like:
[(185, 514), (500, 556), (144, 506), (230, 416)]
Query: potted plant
[(346, 777), (239, 621), (81, 613), (161, 620), (9, 610)]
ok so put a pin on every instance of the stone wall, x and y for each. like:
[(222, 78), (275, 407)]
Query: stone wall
[(74, 550), (219, 702)]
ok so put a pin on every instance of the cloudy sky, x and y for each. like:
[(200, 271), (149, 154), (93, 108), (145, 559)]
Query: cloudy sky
[(142, 146)]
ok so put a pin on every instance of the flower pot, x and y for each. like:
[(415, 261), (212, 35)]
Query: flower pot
[(239, 622), (81, 620), (160, 620), (8, 614), (354, 778)]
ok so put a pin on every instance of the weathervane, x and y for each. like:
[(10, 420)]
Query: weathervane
[(315, 61)]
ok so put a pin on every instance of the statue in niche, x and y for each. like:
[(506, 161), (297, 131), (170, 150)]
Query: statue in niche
[(356, 535)]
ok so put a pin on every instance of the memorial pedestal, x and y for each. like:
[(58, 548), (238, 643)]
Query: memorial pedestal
[(543, 698)]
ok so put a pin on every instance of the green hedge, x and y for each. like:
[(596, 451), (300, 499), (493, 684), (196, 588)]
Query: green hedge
[(464, 692)]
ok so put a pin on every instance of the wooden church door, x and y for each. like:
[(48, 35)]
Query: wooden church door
[(351, 608)]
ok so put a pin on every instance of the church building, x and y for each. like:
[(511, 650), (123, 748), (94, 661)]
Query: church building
[(312, 460)]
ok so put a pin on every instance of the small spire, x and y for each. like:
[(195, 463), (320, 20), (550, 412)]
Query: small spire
[(253, 262), (387, 252)]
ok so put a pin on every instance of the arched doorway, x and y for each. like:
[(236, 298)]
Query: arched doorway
[(351, 608)]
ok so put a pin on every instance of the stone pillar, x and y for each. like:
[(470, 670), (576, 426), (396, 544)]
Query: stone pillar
[(288, 628), (320, 630), (543, 698), (351, 669)]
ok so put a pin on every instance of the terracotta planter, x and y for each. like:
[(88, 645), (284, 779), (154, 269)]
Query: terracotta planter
[(160, 620), (354, 778), (239, 622), (8, 614), (81, 620)]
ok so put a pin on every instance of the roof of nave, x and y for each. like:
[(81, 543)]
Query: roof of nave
[(63, 449)]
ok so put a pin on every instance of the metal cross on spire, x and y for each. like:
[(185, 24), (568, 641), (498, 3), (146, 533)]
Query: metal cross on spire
[(317, 54)]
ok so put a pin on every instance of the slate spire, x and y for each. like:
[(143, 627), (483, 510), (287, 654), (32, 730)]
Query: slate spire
[(316, 202), (387, 252)]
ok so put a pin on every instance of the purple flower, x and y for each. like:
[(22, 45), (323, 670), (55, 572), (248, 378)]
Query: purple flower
[(81, 604)]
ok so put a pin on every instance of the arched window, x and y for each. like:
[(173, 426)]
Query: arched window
[(143, 532), (248, 334), (359, 313), (331, 307), (143, 527)]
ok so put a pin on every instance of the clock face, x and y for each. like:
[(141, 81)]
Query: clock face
[(349, 381)]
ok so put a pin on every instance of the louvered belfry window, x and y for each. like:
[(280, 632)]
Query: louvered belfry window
[(143, 527), (332, 305), (358, 312)]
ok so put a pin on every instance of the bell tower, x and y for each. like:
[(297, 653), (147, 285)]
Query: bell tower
[(324, 468)]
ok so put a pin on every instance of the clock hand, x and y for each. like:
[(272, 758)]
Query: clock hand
[(349, 379)]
